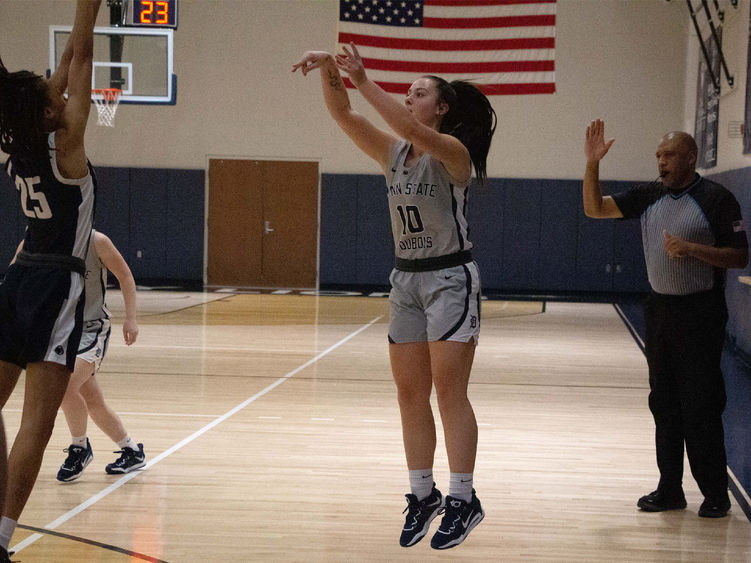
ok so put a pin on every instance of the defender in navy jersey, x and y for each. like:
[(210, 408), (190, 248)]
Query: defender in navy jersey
[(445, 130), (692, 231), (41, 305)]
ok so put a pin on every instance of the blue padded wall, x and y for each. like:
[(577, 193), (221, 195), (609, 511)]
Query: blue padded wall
[(737, 372), (521, 209), (487, 229), (738, 294), (736, 364), (356, 243), (148, 224), (594, 253), (159, 212), (629, 267), (338, 229), (112, 214), (559, 228), (184, 236), (374, 255)]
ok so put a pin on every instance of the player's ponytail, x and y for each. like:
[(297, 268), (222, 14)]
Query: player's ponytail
[(23, 98), (470, 118)]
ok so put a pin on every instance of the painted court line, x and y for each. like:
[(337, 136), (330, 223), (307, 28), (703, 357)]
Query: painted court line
[(167, 414), (631, 328), (127, 477)]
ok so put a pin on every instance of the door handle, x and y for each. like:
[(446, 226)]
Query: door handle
[(267, 228)]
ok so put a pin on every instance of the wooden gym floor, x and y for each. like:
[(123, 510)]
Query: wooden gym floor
[(272, 430)]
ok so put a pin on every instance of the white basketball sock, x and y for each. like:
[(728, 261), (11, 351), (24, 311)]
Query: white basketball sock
[(127, 442), (460, 486), (79, 441), (421, 482), (7, 527)]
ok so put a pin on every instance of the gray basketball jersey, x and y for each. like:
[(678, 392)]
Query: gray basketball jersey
[(96, 284), (428, 207)]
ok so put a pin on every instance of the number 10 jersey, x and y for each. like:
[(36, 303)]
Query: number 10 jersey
[(428, 207)]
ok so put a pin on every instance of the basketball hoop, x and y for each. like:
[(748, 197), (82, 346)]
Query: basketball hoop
[(106, 101)]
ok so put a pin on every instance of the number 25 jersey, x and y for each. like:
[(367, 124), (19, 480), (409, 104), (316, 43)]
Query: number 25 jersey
[(59, 210)]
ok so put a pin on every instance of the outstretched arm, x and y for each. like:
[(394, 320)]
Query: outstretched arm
[(372, 141), (72, 156), (447, 149), (59, 79), (595, 148), (115, 263)]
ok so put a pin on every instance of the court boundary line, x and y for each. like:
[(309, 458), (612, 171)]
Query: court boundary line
[(95, 543), (740, 494), (185, 441), (119, 313), (634, 333)]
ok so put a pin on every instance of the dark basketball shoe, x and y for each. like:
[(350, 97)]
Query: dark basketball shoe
[(659, 501), (459, 518), (128, 461), (420, 514), (709, 509), (77, 460)]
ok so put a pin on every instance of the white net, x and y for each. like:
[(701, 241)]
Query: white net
[(106, 101)]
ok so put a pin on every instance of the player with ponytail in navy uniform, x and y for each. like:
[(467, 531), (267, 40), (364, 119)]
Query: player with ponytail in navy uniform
[(41, 297), (443, 130)]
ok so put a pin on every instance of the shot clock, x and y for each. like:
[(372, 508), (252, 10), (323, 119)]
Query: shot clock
[(153, 13)]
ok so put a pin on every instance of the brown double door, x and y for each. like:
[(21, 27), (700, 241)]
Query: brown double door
[(262, 223)]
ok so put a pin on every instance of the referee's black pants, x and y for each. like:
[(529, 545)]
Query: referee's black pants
[(684, 339)]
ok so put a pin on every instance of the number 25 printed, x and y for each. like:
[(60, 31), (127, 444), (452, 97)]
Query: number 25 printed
[(34, 204)]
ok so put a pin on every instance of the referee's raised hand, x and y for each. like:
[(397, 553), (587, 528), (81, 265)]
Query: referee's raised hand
[(595, 147)]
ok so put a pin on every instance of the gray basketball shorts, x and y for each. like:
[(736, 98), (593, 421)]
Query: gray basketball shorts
[(93, 347), (436, 305)]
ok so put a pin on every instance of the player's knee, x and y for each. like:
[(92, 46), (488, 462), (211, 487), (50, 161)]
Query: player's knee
[(410, 396), (450, 395)]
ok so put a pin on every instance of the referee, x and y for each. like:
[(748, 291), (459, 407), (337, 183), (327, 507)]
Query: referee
[(692, 232)]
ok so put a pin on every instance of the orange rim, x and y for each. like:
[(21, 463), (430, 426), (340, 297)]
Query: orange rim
[(107, 93)]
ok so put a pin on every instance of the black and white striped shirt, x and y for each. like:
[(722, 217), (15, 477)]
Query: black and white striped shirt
[(705, 212)]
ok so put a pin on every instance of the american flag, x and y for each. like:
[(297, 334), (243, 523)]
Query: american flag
[(502, 46)]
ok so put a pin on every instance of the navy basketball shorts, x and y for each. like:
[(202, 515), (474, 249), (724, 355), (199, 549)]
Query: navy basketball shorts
[(94, 340), (41, 315), (436, 305)]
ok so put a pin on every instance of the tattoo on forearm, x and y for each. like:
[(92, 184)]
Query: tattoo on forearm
[(334, 80)]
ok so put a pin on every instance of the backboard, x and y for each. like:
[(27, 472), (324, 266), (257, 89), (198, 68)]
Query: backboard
[(138, 61)]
